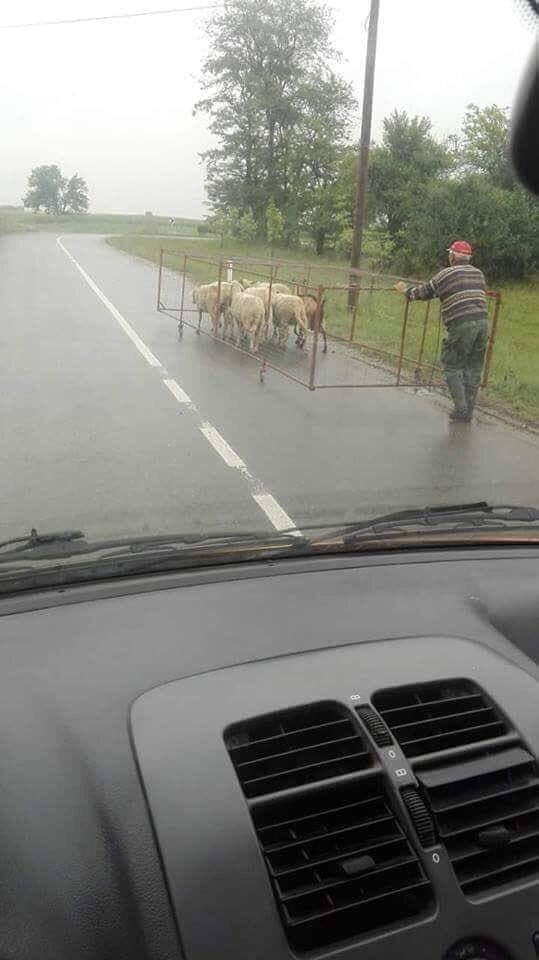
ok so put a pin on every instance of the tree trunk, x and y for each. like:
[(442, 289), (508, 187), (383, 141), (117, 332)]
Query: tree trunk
[(320, 242)]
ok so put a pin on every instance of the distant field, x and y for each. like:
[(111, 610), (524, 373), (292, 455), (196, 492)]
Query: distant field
[(14, 220), (514, 380)]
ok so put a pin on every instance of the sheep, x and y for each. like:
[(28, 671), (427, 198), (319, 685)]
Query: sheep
[(205, 298), (247, 311), (311, 309), (289, 310)]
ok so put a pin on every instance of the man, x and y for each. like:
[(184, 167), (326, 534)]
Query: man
[(461, 289)]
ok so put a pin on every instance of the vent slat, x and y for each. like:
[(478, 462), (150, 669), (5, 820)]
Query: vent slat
[(343, 852), (439, 716), (431, 708), (282, 761), (498, 868), (453, 738), (303, 745), (363, 901), (475, 796), (328, 823), (347, 809), (486, 810), (451, 721), (309, 773), (467, 823), (318, 733), (466, 852), (390, 854)]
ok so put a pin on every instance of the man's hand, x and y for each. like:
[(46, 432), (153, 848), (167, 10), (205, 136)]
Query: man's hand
[(400, 287)]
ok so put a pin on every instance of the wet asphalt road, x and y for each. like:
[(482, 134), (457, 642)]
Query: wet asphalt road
[(91, 437)]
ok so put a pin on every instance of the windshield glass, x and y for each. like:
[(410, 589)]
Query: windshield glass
[(265, 268)]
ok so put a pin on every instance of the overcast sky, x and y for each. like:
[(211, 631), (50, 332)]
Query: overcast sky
[(113, 101)]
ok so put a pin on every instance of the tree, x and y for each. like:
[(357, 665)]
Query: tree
[(274, 224), (74, 195), (48, 189), (247, 227), (502, 225), (483, 145), (274, 105), (45, 185), (408, 158)]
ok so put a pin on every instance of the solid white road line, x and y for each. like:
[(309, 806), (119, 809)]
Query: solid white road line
[(126, 327), (278, 517)]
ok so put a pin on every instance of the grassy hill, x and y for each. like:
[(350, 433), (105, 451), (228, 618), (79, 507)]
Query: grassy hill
[(16, 219)]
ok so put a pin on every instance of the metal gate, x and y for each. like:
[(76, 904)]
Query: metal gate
[(363, 333)]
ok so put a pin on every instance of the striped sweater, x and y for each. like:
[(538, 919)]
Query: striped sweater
[(461, 289)]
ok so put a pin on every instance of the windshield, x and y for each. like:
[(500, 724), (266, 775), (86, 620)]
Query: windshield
[(265, 270)]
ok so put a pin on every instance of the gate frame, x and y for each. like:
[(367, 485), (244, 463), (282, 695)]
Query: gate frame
[(231, 263)]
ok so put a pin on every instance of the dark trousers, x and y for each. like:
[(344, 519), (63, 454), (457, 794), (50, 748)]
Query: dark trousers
[(463, 356)]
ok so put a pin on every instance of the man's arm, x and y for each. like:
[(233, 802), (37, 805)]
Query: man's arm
[(423, 291)]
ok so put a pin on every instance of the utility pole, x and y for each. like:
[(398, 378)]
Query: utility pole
[(364, 143)]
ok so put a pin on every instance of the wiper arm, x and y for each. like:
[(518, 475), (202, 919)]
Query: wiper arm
[(35, 539), (460, 517), (73, 544)]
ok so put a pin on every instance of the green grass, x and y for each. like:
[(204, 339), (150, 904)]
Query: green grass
[(15, 220), (514, 380)]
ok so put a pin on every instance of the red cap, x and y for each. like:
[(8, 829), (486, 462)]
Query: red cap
[(461, 246)]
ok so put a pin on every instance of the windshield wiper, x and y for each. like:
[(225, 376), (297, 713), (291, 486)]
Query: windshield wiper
[(462, 517), (35, 539)]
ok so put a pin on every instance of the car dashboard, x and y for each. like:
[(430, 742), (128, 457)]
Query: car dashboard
[(332, 757)]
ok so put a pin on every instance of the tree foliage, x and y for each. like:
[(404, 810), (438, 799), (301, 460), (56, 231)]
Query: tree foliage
[(50, 191), (278, 111), (483, 144), (502, 225), (408, 157)]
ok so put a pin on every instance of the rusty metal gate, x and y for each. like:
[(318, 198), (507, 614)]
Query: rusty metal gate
[(363, 333)]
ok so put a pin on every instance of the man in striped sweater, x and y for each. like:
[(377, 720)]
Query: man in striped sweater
[(461, 289)]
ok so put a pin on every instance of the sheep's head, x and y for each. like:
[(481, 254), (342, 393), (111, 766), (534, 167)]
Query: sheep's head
[(235, 288)]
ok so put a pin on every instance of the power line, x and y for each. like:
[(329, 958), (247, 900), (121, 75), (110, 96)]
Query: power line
[(113, 16)]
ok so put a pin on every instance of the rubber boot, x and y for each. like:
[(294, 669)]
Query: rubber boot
[(455, 383)]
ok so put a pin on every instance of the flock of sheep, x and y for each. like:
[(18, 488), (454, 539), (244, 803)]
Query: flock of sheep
[(256, 313)]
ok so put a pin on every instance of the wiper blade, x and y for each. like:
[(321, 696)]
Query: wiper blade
[(74, 544), (459, 517), (35, 539)]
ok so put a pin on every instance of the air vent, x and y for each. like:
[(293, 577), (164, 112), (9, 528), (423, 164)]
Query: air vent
[(437, 716), (487, 813), (295, 747), (339, 862)]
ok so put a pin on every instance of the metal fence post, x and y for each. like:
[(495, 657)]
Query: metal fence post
[(312, 371), (491, 339), (423, 338), (159, 279), (355, 295), (403, 337)]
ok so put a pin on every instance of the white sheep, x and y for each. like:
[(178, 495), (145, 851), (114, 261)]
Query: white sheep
[(247, 311), (288, 311), (205, 297)]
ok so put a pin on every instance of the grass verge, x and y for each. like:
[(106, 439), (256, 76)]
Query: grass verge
[(514, 381), (16, 220)]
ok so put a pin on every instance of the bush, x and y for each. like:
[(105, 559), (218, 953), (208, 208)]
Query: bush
[(502, 226)]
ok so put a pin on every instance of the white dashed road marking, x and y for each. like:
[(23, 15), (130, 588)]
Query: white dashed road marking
[(278, 517)]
